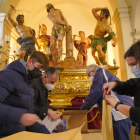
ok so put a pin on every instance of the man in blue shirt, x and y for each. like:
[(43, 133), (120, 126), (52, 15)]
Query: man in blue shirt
[(98, 76)]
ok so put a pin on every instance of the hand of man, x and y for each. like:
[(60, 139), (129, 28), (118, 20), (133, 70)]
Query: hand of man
[(111, 101), (109, 86), (28, 119), (53, 115)]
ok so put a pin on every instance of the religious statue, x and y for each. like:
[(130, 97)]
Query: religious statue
[(44, 40), (27, 35), (60, 25), (82, 45), (99, 41)]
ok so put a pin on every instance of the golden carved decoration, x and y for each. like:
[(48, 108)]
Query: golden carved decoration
[(72, 83)]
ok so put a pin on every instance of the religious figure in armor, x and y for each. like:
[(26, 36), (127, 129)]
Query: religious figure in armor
[(27, 35), (60, 25), (99, 41), (44, 40), (82, 45)]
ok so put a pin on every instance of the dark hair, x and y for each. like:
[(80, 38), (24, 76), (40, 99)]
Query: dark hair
[(134, 51), (40, 57), (82, 32), (51, 6), (50, 71), (107, 13), (17, 18)]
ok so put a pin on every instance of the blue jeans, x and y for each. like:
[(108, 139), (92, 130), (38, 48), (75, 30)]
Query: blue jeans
[(121, 129)]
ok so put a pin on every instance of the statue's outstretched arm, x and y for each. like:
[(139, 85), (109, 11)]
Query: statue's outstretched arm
[(73, 39), (9, 16), (114, 38), (89, 41), (95, 10), (33, 34)]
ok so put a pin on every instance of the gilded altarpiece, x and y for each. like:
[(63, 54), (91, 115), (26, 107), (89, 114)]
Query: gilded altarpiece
[(73, 82)]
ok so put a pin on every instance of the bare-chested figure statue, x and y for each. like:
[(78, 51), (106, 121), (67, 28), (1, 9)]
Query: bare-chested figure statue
[(98, 41), (82, 45), (27, 35), (60, 25)]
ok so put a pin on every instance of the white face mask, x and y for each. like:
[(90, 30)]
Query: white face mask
[(91, 78), (49, 86)]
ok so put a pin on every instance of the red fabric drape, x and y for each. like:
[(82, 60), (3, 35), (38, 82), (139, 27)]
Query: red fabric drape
[(96, 123)]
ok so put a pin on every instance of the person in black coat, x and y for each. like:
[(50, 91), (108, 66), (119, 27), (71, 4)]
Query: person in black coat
[(42, 86), (16, 95), (131, 87)]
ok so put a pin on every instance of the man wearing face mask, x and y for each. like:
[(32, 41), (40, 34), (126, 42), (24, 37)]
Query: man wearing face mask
[(98, 77), (42, 86), (16, 96)]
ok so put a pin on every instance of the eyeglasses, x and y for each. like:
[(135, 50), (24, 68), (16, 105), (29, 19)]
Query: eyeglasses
[(89, 73)]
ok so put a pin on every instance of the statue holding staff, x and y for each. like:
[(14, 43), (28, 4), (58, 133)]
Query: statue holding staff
[(27, 35)]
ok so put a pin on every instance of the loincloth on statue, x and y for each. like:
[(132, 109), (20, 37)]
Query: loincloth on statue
[(58, 31), (27, 44), (101, 41)]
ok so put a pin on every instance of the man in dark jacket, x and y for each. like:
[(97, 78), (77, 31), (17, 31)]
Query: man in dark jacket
[(42, 86), (121, 124), (16, 96)]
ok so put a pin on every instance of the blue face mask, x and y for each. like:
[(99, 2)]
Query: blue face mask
[(136, 71)]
